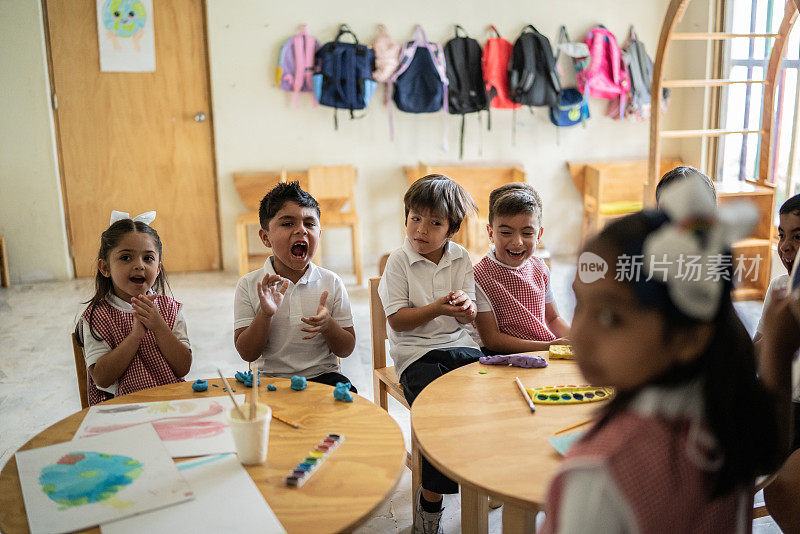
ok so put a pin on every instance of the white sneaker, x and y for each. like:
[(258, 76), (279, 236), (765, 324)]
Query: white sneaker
[(426, 522)]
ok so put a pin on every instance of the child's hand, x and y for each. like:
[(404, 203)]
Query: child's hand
[(271, 292), (147, 313), (138, 331), (321, 322), (560, 341), (466, 306)]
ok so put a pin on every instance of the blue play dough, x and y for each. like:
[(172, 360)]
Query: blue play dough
[(271, 388), (200, 385), (246, 378), (299, 383), (342, 392)]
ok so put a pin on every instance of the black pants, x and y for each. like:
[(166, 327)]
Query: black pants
[(796, 416), (331, 379), (414, 379)]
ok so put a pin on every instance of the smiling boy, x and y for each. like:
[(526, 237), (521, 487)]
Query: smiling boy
[(291, 315), (516, 308)]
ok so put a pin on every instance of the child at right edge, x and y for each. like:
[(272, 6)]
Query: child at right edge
[(427, 291)]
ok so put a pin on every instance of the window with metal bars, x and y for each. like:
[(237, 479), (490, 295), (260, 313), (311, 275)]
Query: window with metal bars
[(741, 104)]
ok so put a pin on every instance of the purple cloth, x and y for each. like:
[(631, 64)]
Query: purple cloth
[(515, 360)]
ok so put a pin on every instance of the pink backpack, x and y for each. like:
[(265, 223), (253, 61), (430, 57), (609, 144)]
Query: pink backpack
[(606, 77), (387, 55), (296, 64)]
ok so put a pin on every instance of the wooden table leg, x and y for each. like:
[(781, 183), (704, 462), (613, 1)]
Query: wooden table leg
[(517, 519), (474, 511)]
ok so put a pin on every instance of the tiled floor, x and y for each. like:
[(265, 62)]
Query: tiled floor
[(36, 319)]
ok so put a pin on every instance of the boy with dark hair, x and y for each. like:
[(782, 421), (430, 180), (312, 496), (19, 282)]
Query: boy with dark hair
[(428, 291), (516, 307), (291, 315), (684, 172)]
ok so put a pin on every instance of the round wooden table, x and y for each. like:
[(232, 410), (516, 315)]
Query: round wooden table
[(478, 430), (359, 477)]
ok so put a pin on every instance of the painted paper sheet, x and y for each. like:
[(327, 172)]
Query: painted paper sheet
[(188, 427), (125, 35), (226, 500), (79, 484)]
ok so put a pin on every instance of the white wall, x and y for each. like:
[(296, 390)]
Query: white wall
[(256, 128), (31, 208)]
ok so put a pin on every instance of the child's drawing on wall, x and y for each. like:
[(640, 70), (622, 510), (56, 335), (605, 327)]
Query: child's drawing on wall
[(125, 35), (124, 18)]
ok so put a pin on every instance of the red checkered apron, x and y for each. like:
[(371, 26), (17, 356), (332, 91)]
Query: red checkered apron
[(517, 296), (649, 460), (148, 368)]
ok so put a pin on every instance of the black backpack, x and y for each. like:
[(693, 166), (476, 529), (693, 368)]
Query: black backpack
[(532, 76), (466, 89)]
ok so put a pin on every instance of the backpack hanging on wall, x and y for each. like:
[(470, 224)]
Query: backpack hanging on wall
[(466, 92), (572, 107), (532, 76), (640, 71), (343, 74), (387, 55), (296, 64), (420, 83), (496, 56), (606, 76)]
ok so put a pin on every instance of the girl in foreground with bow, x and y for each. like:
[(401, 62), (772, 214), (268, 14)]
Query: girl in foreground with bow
[(134, 335), (679, 447)]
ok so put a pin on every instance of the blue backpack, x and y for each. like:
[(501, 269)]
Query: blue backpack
[(343, 74), (420, 83)]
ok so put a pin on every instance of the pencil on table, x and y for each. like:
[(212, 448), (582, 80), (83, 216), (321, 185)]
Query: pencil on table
[(576, 425), (525, 394), (284, 420)]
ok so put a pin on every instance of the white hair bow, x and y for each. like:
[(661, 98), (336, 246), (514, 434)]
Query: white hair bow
[(146, 217), (699, 233)]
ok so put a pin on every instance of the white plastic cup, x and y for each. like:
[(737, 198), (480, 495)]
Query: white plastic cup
[(251, 436)]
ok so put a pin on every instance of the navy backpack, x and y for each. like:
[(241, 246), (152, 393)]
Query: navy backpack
[(420, 84), (343, 74)]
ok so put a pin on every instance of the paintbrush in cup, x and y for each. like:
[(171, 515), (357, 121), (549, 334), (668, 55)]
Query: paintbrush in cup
[(230, 394), (254, 394)]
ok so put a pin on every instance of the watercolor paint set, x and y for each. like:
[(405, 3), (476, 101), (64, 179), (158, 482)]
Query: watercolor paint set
[(569, 394), (313, 460)]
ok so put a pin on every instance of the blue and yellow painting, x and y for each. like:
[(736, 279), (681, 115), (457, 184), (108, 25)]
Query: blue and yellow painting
[(80, 478), (124, 18)]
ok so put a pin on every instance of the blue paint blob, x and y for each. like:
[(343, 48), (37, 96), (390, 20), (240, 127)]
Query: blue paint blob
[(86, 477), (589, 395), (577, 396), (566, 396), (270, 387), (299, 383), (303, 466), (200, 385)]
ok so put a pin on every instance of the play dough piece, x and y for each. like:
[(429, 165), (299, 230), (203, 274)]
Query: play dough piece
[(569, 394), (299, 383), (528, 361), (561, 352), (246, 378), (482, 372), (270, 387), (200, 385), (342, 392)]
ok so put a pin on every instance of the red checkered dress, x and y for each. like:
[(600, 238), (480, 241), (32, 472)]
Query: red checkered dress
[(148, 368), (517, 297), (650, 461)]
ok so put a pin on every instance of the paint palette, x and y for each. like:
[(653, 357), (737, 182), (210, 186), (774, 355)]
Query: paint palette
[(313, 460), (561, 352), (569, 394)]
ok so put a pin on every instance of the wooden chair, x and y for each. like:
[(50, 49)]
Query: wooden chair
[(80, 369), (334, 187), (384, 380), (5, 278)]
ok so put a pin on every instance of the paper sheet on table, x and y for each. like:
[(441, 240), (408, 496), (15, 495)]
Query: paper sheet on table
[(188, 427), (79, 484), (226, 500), (563, 442)]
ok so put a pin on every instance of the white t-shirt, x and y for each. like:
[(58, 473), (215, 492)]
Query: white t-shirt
[(778, 286), (94, 349), (412, 281), (286, 353)]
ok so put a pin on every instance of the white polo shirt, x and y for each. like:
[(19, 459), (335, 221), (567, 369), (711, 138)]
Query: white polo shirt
[(286, 353), (412, 281)]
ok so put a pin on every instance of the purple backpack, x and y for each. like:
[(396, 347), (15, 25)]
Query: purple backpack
[(296, 64)]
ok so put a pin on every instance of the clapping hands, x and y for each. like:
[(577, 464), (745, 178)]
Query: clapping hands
[(319, 323), (270, 293)]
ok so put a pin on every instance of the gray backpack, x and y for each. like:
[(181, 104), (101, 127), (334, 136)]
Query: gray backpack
[(640, 71)]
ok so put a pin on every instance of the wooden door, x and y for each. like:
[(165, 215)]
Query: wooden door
[(132, 141)]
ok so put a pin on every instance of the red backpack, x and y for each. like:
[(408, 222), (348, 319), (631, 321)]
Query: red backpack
[(606, 77), (494, 61)]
